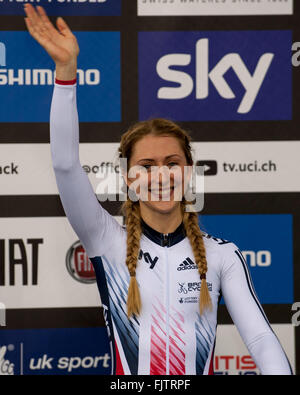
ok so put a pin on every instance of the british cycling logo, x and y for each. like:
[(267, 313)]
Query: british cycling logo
[(185, 288), (189, 287), (6, 367)]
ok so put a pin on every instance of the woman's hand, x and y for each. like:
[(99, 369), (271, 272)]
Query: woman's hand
[(61, 44)]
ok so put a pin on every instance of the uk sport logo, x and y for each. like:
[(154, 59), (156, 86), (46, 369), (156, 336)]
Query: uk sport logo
[(215, 76)]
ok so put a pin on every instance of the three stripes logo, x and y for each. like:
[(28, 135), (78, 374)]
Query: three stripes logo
[(187, 264)]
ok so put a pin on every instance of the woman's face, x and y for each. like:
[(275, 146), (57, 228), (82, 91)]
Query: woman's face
[(158, 171)]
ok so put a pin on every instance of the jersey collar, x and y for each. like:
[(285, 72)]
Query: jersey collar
[(164, 240)]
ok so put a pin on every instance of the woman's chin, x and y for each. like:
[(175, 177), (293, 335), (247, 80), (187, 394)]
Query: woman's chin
[(162, 206)]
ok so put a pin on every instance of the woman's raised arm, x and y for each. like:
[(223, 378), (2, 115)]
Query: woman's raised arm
[(94, 226), (61, 44)]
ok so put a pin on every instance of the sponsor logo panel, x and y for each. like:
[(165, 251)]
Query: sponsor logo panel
[(215, 75), (266, 166), (65, 7), (214, 7), (43, 265), (26, 82), (266, 242), (232, 357), (26, 169), (54, 352)]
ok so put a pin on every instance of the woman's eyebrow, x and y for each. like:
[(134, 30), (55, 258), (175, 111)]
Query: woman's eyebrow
[(167, 157)]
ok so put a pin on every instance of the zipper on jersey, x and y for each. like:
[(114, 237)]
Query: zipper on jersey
[(165, 239)]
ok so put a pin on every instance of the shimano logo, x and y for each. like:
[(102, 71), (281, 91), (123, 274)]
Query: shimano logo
[(187, 264), (29, 77)]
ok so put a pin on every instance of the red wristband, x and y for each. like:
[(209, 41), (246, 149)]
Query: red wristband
[(61, 82)]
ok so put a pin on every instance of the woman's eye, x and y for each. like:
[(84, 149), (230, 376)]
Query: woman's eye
[(147, 167), (172, 163)]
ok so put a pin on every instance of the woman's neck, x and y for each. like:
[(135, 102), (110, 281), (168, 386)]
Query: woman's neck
[(161, 222)]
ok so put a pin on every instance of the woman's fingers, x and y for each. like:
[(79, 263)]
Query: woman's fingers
[(34, 22), (63, 27), (47, 23), (41, 27), (60, 43), (30, 12)]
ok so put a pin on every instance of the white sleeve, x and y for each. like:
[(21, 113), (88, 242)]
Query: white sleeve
[(248, 315), (94, 226)]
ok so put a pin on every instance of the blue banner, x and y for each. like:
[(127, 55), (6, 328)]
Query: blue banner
[(266, 242), (27, 78), (70, 351), (215, 75), (65, 7)]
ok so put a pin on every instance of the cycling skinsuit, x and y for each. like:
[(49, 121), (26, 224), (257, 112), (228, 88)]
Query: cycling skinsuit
[(169, 336)]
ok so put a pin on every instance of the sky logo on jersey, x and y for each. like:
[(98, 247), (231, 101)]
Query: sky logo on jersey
[(65, 7), (266, 242), (27, 75), (215, 75)]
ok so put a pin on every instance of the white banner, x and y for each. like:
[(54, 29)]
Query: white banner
[(267, 166), (232, 356), (40, 266), (214, 7)]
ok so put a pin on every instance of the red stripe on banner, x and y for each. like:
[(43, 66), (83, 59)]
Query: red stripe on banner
[(119, 367)]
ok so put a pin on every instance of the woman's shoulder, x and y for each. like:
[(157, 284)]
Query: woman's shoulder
[(224, 248)]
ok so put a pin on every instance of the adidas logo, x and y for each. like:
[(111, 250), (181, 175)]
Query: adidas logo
[(187, 264)]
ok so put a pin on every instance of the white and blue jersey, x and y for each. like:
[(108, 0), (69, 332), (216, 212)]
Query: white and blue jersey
[(169, 337)]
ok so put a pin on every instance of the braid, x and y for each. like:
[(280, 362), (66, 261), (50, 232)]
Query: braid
[(193, 232), (133, 225)]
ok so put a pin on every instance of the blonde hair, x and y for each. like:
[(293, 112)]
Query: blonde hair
[(131, 211)]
